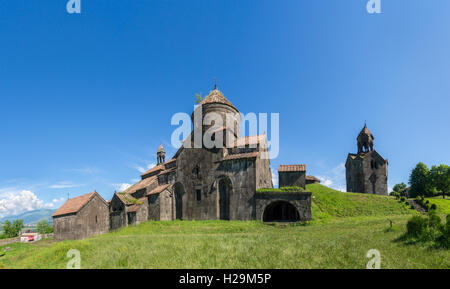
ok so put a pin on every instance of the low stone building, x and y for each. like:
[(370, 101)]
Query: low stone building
[(312, 180), (366, 171), (81, 217), (292, 176)]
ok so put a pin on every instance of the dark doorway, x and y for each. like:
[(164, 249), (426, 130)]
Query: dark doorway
[(131, 218), (179, 191), (225, 188), (281, 211)]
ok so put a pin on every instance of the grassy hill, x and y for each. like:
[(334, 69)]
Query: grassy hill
[(346, 226), (443, 205), (328, 204)]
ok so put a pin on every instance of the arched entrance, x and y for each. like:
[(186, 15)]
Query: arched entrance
[(281, 211), (225, 188), (179, 192)]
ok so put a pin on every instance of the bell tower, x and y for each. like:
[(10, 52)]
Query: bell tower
[(160, 155), (366, 171), (365, 140)]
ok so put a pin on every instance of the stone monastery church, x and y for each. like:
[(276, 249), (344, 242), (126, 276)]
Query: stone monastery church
[(229, 183)]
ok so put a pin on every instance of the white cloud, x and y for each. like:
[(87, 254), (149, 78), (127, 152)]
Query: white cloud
[(64, 185), (274, 178), (14, 203), (122, 187), (143, 169), (334, 178)]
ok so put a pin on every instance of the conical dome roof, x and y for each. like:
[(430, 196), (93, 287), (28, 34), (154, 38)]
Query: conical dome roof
[(216, 96), (366, 131)]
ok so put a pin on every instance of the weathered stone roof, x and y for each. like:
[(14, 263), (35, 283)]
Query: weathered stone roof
[(292, 168), (127, 198), (216, 96), (136, 207), (74, 205), (142, 184), (365, 130), (249, 140), (158, 189), (153, 171), (241, 156), (312, 178)]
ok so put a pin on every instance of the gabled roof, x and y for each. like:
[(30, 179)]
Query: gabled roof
[(292, 168), (216, 96), (74, 205), (249, 140), (142, 184), (158, 189), (312, 178), (153, 170), (241, 156), (126, 198)]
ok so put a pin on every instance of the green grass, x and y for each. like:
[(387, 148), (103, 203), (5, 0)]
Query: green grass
[(328, 204), (345, 227), (443, 205), (235, 244)]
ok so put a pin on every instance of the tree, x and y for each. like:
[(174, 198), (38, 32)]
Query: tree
[(440, 176), (399, 187), (12, 230), (198, 98), (420, 181), (43, 227)]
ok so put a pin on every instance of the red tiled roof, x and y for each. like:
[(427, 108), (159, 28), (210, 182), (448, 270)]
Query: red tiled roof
[(167, 171), (74, 205), (141, 184), (170, 161), (241, 156), (158, 189), (154, 169), (292, 168), (249, 140)]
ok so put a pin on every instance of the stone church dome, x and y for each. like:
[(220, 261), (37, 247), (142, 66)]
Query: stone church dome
[(216, 96)]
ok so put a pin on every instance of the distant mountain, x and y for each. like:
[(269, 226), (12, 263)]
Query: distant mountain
[(31, 217)]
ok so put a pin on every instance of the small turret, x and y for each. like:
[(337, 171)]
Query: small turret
[(365, 140), (160, 155)]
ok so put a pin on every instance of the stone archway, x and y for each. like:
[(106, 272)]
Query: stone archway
[(281, 211), (225, 189), (178, 190)]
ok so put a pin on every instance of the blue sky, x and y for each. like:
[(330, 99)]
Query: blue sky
[(86, 99)]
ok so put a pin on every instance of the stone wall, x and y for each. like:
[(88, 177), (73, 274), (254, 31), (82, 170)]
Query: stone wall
[(91, 220), (300, 200), (292, 179)]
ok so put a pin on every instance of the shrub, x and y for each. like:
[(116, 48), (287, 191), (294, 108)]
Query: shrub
[(416, 227), (402, 199), (412, 207), (433, 207)]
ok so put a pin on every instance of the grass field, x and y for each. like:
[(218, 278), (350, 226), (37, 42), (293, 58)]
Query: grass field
[(349, 225)]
